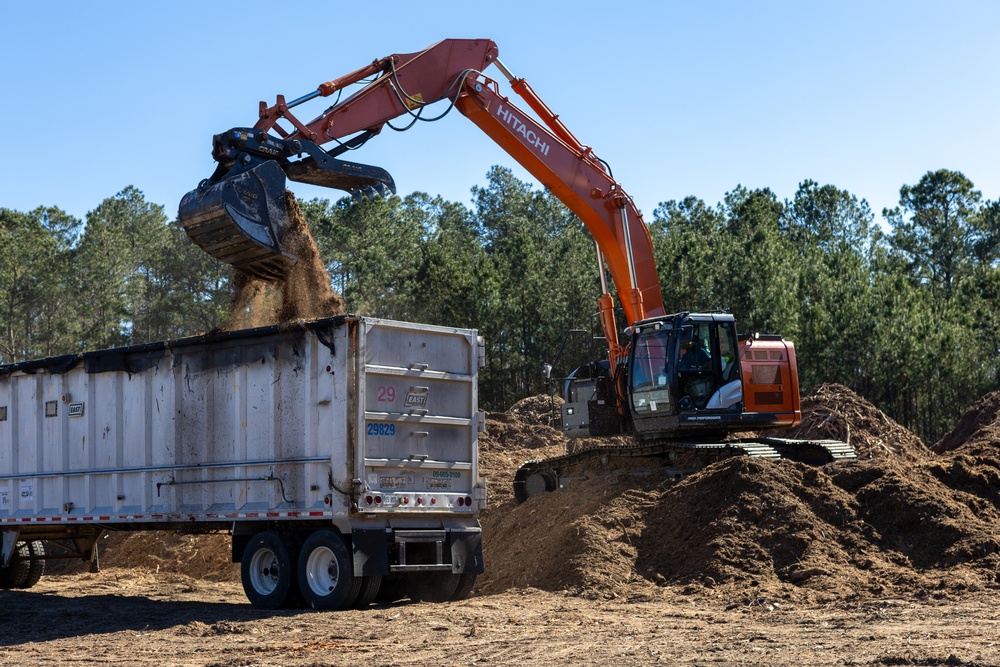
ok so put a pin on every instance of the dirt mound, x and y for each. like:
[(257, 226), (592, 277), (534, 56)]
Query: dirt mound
[(505, 431), (977, 429), (509, 441), (523, 433), (304, 294), (540, 409), (835, 412), (866, 527), (898, 520), (198, 556)]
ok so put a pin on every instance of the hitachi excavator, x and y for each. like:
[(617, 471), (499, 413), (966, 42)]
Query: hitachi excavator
[(683, 383)]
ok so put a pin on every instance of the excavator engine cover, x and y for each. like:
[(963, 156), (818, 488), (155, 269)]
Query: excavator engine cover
[(242, 220)]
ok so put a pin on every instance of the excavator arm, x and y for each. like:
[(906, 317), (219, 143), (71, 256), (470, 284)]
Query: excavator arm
[(238, 215)]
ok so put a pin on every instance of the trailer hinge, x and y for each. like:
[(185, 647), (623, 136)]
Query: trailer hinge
[(479, 492)]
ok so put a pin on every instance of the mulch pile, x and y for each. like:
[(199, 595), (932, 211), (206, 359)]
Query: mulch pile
[(834, 412), (978, 431), (901, 519)]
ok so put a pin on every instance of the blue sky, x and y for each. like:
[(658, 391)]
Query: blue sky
[(681, 98)]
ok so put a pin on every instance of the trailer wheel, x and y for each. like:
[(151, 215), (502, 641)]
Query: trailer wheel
[(26, 565), (36, 566), (326, 572), (15, 574), (268, 570)]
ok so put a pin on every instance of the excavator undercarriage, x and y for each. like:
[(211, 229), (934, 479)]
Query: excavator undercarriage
[(676, 459)]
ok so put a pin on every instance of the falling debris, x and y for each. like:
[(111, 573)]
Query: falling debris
[(304, 294)]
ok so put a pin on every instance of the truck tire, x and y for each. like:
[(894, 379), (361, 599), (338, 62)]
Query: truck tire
[(16, 572), (433, 586), (466, 581), (326, 572), (26, 565), (268, 570), (36, 566), (369, 591)]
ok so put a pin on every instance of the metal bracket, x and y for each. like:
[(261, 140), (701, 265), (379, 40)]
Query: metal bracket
[(9, 543)]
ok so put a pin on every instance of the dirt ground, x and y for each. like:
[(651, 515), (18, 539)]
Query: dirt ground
[(138, 618), (893, 559)]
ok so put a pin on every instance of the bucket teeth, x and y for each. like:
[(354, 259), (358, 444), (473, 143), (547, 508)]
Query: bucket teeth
[(370, 192)]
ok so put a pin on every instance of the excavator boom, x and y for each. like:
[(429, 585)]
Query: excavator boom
[(238, 214)]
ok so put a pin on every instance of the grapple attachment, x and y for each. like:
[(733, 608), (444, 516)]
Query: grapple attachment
[(239, 215)]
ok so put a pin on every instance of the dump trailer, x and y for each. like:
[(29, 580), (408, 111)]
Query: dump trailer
[(340, 454)]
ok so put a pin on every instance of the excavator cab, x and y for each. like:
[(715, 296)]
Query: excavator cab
[(239, 215), (683, 374), (687, 375)]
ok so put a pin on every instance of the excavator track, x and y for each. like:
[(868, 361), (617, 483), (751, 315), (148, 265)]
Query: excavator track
[(544, 475)]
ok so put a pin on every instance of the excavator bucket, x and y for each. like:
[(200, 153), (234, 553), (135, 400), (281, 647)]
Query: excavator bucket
[(241, 218)]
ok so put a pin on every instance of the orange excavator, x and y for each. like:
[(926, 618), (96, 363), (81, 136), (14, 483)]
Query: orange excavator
[(681, 383)]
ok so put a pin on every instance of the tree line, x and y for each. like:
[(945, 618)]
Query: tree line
[(904, 312)]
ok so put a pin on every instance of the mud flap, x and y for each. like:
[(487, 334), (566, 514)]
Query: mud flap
[(7, 546), (371, 556), (466, 551)]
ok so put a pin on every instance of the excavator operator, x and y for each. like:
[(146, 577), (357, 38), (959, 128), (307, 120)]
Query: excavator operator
[(694, 356)]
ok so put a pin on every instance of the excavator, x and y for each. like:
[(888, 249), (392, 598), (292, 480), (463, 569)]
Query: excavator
[(682, 383)]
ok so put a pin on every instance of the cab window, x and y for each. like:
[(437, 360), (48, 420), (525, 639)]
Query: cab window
[(696, 350), (648, 373), (728, 352)]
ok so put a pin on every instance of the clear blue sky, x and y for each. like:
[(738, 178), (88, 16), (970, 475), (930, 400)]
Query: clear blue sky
[(681, 98)]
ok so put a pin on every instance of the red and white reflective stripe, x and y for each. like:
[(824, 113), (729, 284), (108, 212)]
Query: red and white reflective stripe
[(292, 514)]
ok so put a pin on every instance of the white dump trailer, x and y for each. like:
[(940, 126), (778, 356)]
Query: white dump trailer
[(340, 453)]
